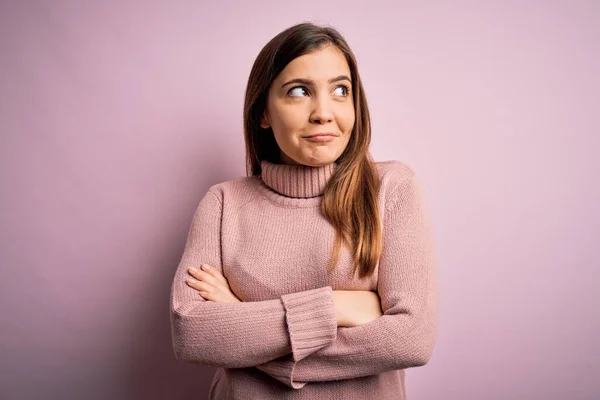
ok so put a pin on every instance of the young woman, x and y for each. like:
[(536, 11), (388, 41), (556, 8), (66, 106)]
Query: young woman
[(313, 277)]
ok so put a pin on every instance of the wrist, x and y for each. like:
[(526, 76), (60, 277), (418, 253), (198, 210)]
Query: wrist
[(340, 303)]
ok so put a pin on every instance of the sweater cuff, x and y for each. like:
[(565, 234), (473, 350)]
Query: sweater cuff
[(311, 320)]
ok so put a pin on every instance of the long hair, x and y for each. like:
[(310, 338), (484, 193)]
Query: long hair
[(350, 196)]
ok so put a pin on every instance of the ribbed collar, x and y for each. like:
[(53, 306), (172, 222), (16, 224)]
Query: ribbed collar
[(297, 181)]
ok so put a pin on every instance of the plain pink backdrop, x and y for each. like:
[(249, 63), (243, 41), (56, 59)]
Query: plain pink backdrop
[(116, 117)]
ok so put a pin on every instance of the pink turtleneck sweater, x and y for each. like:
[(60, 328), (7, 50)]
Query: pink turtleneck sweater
[(267, 236)]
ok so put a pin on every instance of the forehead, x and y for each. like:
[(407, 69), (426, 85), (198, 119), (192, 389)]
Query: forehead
[(321, 64)]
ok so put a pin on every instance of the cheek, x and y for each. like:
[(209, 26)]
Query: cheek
[(346, 119), (289, 119)]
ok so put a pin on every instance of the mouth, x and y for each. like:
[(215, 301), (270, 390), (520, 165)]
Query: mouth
[(321, 135), (320, 138)]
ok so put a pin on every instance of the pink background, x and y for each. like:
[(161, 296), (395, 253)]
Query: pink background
[(116, 117)]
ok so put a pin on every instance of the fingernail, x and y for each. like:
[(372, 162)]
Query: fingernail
[(205, 267)]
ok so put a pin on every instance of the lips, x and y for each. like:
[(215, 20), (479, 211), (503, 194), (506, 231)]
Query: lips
[(321, 134)]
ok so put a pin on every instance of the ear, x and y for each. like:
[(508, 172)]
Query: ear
[(264, 121)]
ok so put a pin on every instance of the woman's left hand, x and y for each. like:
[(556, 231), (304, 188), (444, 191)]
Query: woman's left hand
[(211, 284)]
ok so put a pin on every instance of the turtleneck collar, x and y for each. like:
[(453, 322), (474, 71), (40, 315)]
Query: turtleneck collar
[(297, 181)]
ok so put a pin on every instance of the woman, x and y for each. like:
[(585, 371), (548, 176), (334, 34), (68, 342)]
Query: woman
[(318, 278)]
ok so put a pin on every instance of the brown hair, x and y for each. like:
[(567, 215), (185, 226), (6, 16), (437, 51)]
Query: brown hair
[(350, 197)]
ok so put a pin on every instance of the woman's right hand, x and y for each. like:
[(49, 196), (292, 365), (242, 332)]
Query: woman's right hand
[(356, 307)]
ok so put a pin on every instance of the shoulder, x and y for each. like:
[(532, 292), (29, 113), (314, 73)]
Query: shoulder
[(395, 177), (393, 173), (235, 190)]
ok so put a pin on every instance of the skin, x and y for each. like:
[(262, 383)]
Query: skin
[(211, 284), (352, 307), (297, 109), (293, 111)]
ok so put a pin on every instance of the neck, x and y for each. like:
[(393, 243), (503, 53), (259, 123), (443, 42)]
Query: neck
[(297, 181)]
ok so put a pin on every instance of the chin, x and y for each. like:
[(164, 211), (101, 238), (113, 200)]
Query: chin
[(319, 161), (314, 157)]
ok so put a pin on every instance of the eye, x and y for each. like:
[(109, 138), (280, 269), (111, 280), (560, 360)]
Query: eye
[(346, 90), (297, 89)]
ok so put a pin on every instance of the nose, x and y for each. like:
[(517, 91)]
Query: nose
[(321, 112)]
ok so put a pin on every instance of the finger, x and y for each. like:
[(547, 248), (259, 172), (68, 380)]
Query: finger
[(213, 272), (206, 295), (204, 276), (198, 285), (207, 282)]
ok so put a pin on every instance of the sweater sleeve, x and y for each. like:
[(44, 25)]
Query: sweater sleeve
[(237, 335), (404, 335)]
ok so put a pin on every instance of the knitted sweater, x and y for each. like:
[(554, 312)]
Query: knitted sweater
[(266, 234)]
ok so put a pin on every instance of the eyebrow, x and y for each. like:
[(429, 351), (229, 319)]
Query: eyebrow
[(310, 82)]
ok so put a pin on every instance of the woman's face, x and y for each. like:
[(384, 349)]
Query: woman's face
[(311, 95)]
